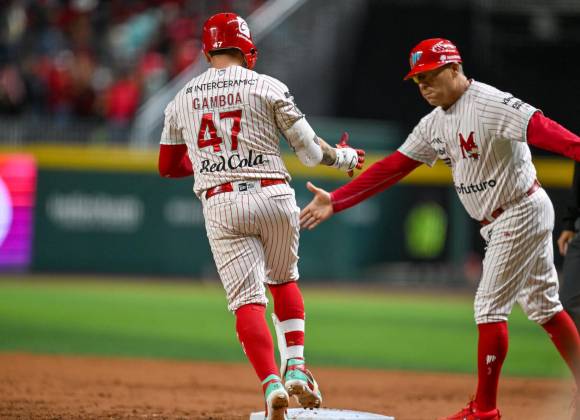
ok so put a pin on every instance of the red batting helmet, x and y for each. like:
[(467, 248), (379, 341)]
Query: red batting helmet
[(431, 54), (228, 30)]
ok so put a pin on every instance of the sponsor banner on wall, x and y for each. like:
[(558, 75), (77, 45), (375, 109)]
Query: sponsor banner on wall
[(119, 223)]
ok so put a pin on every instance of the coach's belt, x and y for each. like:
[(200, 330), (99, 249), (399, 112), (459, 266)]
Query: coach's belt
[(497, 212), (242, 186)]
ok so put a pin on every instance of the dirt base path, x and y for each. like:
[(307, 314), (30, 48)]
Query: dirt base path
[(64, 387)]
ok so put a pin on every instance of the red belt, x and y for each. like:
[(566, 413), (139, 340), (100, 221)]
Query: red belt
[(229, 187), (497, 212)]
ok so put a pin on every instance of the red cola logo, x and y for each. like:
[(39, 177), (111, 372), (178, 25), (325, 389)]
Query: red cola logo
[(232, 163)]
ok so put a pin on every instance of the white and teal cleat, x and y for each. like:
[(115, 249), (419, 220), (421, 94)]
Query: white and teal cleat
[(300, 383), (277, 398)]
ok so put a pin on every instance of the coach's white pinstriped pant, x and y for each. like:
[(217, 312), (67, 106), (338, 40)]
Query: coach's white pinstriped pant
[(519, 263), (254, 240)]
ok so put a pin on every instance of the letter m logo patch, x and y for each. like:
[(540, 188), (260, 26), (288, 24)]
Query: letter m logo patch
[(468, 147)]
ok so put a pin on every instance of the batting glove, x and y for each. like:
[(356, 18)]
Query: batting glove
[(347, 158)]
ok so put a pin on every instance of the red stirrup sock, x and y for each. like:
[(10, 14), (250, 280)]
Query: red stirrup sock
[(289, 308), (564, 335), (256, 339), (491, 352)]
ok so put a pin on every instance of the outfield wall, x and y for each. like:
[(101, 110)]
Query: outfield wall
[(101, 209)]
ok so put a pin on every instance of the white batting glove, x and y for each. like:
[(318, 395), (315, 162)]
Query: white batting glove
[(346, 159)]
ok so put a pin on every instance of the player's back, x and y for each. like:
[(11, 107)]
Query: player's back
[(230, 120)]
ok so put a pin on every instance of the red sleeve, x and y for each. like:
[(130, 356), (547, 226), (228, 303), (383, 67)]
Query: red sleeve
[(174, 161), (547, 134), (378, 177)]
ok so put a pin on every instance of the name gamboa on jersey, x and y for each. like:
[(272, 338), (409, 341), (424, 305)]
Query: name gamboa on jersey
[(482, 137), (230, 120)]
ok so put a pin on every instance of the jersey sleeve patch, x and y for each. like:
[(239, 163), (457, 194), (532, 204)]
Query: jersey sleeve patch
[(507, 117), (286, 111)]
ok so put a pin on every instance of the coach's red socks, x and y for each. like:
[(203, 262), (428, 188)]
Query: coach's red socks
[(564, 335), (491, 352), (256, 339), (289, 308)]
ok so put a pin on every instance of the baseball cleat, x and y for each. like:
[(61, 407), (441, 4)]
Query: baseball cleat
[(301, 384), (471, 413), (277, 398)]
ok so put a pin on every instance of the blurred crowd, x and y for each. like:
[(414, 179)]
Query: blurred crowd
[(71, 60)]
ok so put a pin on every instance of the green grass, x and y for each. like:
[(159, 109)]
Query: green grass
[(182, 321)]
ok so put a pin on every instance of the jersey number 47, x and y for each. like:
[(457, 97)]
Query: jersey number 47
[(208, 126)]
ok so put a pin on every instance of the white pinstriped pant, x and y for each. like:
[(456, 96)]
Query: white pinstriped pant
[(254, 240), (519, 263)]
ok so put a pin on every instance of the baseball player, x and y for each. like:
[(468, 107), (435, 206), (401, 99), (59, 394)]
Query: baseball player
[(482, 134), (569, 246), (224, 125)]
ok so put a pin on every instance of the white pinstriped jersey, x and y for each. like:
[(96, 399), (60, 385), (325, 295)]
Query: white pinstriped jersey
[(482, 137), (230, 119)]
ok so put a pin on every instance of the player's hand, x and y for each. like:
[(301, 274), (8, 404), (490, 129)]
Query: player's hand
[(347, 157), (565, 237), (318, 210)]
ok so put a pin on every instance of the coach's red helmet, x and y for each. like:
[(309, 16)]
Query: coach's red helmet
[(431, 54), (228, 30)]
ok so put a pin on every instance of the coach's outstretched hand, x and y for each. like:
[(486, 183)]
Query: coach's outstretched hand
[(318, 210)]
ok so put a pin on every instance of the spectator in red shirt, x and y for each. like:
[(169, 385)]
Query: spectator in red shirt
[(121, 103)]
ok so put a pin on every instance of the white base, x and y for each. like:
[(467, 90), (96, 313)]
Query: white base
[(324, 413)]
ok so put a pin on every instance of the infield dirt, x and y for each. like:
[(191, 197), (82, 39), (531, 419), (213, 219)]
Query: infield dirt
[(72, 387)]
